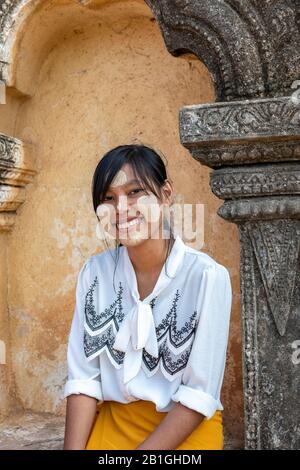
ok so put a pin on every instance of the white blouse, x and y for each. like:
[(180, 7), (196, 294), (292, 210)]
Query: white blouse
[(170, 347)]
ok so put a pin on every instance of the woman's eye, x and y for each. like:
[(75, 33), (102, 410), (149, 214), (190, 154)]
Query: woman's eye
[(134, 191), (131, 193)]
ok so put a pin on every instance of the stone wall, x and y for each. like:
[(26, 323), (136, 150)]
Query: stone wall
[(82, 81)]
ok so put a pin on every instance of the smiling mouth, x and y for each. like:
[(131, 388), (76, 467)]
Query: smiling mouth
[(131, 223)]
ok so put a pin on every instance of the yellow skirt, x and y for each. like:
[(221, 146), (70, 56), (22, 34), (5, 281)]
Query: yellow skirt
[(119, 426)]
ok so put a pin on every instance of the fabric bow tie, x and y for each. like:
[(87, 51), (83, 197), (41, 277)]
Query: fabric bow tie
[(137, 332)]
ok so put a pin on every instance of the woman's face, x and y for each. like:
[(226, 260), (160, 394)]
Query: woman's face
[(129, 214)]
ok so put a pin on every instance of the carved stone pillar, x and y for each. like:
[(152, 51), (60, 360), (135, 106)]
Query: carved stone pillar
[(254, 148)]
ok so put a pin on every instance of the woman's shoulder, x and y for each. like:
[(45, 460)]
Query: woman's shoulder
[(202, 261), (100, 262)]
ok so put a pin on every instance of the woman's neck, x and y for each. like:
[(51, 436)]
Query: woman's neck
[(150, 255)]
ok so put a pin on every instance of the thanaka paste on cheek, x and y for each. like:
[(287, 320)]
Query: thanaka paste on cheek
[(149, 208), (106, 214)]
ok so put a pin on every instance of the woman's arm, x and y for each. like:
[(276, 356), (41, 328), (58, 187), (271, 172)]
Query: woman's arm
[(80, 414), (83, 387), (177, 425)]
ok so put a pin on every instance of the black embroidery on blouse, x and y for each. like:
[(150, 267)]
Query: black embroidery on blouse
[(168, 328), (94, 344), (167, 331), (95, 320), (114, 313), (171, 363)]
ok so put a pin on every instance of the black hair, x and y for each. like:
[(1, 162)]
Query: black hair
[(147, 165)]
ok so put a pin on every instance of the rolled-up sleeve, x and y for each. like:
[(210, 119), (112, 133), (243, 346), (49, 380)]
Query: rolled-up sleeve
[(202, 379), (84, 376)]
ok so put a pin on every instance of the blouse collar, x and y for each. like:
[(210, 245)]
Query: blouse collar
[(171, 266), (137, 331)]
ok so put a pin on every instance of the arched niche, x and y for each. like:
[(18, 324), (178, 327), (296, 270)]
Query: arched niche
[(51, 69)]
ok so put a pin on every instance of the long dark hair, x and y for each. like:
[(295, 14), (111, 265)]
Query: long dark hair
[(148, 167)]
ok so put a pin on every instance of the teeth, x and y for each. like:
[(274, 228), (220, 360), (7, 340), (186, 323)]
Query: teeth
[(129, 224)]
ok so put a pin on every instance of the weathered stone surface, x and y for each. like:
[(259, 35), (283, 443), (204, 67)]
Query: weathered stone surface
[(251, 48), (32, 431), (243, 181), (254, 148), (270, 280), (250, 131), (14, 175)]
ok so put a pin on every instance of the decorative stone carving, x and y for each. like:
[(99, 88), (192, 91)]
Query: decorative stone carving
[(255, 120), (246, 181), (249, 127), (251, 48), (271, 379), (222, 154), (263, 198), (14, 175)]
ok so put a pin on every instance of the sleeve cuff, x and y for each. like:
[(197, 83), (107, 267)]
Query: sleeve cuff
[(91, 388), (197, 400)]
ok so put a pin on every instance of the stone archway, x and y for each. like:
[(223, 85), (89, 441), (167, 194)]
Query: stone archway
[(250, 138)]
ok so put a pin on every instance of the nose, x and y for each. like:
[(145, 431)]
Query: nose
[(122, 204)]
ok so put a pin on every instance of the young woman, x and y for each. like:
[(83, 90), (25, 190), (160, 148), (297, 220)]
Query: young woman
[(148, 340)]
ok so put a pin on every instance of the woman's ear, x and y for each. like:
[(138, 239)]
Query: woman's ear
[(168, 191)]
